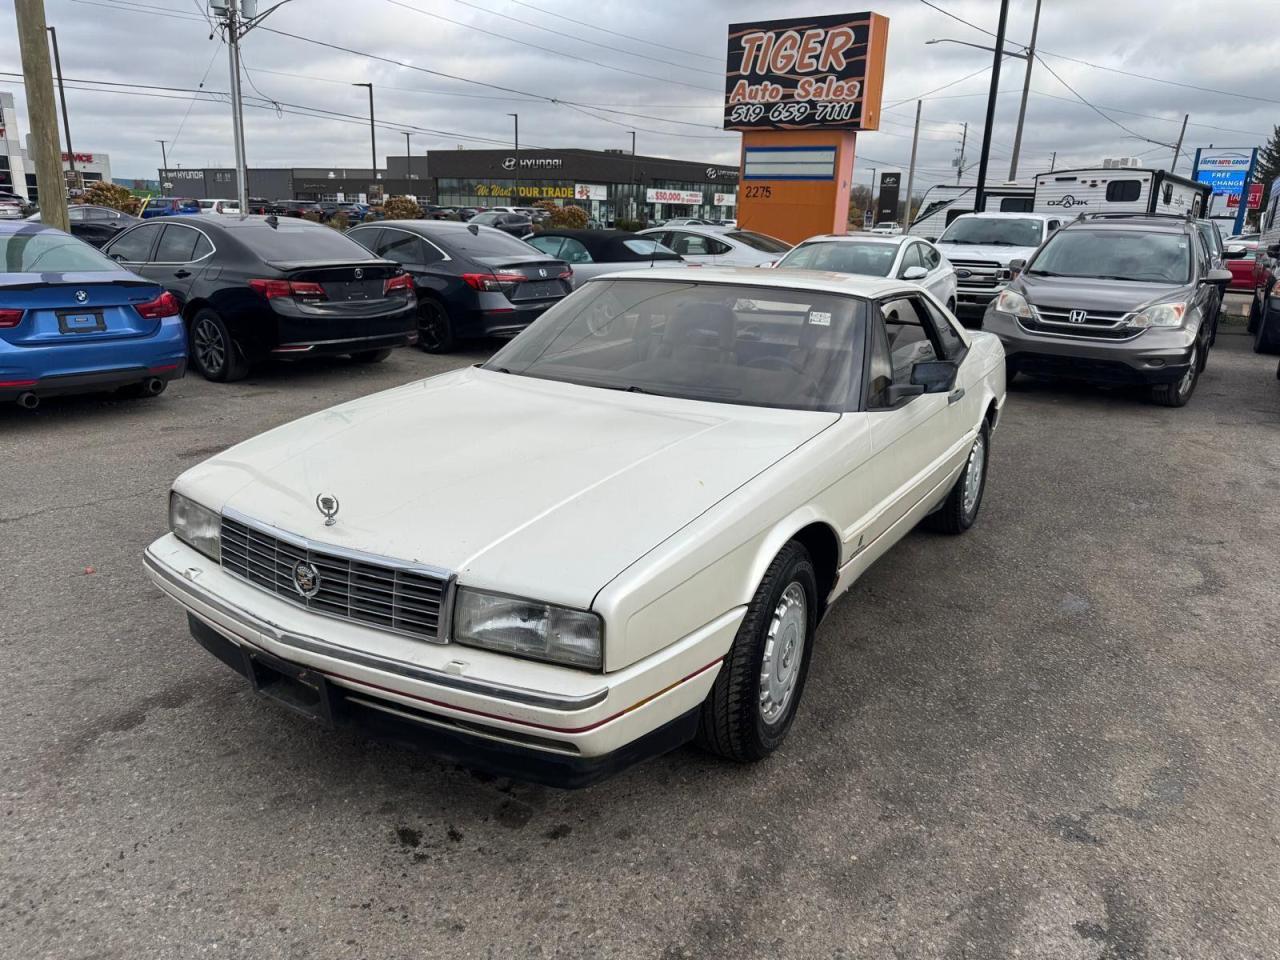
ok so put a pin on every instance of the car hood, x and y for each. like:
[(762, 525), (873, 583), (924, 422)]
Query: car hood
[(529, 486), (982, 251), (1089, 293)]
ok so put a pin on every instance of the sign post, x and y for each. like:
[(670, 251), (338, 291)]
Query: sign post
[(799, 90)]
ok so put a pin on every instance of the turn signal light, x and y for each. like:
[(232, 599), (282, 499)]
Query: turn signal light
[(400, 282), (10, 318), (493, 282), (288, 288), (165, 305)]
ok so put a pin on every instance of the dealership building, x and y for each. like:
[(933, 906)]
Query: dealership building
[(608, 184)]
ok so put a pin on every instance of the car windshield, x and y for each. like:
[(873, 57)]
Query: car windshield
[(294, 240), (843, 256), (1116, 255), (994, 231), (44, 251), (488, 243), (759, 241), (723, 343)]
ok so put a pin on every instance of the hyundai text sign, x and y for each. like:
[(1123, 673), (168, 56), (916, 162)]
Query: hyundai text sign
[(805, 73), (532, 163)]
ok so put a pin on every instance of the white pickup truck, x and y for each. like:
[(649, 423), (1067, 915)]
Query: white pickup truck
[(981, 246)]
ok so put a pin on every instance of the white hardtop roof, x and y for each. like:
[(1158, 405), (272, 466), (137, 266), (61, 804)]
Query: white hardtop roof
[(864, 237), (1011, 215), (783, 279)]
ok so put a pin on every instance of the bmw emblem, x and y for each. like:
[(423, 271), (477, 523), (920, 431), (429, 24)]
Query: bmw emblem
[(82, 296), (306, 579)]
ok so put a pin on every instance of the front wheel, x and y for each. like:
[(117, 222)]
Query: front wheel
[(750, 708), (1177, 394), (435, 329), (959, 511)]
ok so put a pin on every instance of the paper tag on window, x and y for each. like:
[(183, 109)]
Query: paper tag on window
[(820, 319)]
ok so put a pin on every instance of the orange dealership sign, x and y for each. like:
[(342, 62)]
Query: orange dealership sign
[(806, 73)]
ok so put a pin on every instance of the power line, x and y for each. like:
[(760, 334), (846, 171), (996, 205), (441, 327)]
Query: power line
[(1104, 116), (173, 144), (557, 53), (614, 33), (610, 47), (120, 6), (925, 95)]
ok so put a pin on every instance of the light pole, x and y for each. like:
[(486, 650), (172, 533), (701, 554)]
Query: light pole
[(373, 136), (164, 164), (516, 118), (408, 158), (980, 189), (635, 187), (62, 96)]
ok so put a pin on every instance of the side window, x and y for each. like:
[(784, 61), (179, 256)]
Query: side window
[(1123, 191), (177, 245), (717, 247), (548, 245), (930, 255), (952, 346), (1054, 225), (401, 247), (909, 337), (367, 238), (880, 365), (203, 247), (689, 244), (574, 252), (78, 214), (910, 258), (132, 246)]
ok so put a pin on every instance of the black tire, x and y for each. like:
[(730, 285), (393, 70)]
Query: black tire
[(1010, 372), (435, 328), (1177, 394), (1255, 314), (959, 511), (734, 722), (370, 356), (214, 352), (1266, 335)]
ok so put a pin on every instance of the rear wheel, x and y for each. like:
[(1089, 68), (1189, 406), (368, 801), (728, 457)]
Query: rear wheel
[(370, 356), (959, 511), (1177, 394), (213, 350), (750, 708), (435, 330)]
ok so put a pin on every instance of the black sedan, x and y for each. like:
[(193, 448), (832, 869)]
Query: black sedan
[(95, 225), (516, 224), (254, 287), (471, 280)]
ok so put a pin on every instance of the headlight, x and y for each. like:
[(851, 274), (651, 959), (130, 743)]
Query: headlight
[(196, 526), (528, 628), (1012, 302), (1160, 315)]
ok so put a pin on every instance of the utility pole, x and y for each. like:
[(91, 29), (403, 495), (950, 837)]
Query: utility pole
[(516, 118), (1177, 149), (1026, 88), (234, 33), (42, 117), (980, 191), (164, 165), (1053, 159), (373, 135), (408, 158), (964, 138), (911, 170), (62, 97), (635, 187), (874, 209)]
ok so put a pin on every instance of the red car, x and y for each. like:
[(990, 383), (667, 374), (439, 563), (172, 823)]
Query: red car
[(1241, 258)]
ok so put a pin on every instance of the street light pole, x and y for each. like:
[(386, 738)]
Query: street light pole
[(635, 187), (1177, 149), (62, 96), (408, 158), (1026, 88), (164, 165), (980, 190), (911, 170), (516, 117), (373, 135), (964, 139)]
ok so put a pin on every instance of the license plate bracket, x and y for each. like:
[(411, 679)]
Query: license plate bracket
[(298, 689), (81, 321)]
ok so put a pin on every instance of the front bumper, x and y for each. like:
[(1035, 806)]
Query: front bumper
[(1153, 356), (971, 299), (531, 720)]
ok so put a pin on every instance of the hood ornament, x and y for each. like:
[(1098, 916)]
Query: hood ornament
[(328, 505)]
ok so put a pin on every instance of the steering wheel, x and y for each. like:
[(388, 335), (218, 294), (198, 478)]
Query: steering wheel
[(770, 362)]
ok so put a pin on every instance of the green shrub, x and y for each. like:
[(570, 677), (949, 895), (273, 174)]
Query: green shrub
[(631, 226), (339, 221), (104, 194), (401, 208), (568, 218)]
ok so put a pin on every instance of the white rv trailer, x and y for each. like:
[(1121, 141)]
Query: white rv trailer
[(1119, 190), (944, 202)]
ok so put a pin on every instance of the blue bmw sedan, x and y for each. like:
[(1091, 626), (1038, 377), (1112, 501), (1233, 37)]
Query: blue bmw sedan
[(74, 321)]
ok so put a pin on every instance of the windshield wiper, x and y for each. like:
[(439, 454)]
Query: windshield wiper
[(1044, 273), (1112, 276)]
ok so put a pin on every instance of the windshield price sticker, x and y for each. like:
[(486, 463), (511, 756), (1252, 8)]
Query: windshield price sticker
[(806, 73), (819, 319)]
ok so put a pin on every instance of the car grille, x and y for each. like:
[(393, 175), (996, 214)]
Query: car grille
[(982, 273), (1097, 324), (381, 595)]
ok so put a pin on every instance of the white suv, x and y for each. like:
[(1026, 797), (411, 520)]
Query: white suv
[(981, 246)]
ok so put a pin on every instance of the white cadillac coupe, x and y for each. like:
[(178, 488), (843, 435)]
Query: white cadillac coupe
[(618, 535)]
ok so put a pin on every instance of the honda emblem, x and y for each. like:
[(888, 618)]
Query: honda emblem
[(1077, 316)]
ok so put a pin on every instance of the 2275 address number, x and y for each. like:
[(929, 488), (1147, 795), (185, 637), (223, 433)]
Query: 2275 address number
[(759, 193)]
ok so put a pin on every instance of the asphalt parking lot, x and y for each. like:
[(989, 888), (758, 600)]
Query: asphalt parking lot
[(1055, 737)]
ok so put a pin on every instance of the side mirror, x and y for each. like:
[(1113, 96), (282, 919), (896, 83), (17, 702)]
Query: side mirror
[(1235, 253), (934, 376), (1273, 250), (898, 392), (117, 257), (914, 273), (1017, 266), (1218, 275)]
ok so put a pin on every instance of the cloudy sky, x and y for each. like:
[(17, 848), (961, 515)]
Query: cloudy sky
[(655, 67)]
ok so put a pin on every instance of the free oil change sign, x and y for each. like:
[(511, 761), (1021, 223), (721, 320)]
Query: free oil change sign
[(806, 73)]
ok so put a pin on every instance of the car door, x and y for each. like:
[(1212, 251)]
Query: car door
[(421, 259), (912, 441), (132, 248), (180, 255)]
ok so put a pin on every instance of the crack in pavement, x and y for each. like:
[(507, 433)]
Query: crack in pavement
[(73, 506)]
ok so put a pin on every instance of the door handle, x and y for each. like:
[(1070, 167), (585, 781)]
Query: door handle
[(955, 395), (182, 274)]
